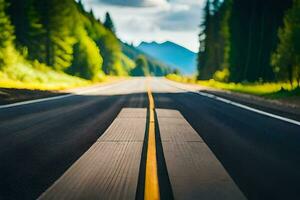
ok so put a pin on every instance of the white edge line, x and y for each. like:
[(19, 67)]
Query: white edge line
[(243, 106), (248, 108), (56, 97), (35, 101)]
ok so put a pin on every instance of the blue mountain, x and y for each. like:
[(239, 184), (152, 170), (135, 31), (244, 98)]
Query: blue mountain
[(172, 54)]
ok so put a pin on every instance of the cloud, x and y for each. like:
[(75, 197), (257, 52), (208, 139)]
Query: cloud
[(153, 20), (180, 18), (135, 3)]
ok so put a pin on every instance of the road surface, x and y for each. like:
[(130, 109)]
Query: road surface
[(206, 148)]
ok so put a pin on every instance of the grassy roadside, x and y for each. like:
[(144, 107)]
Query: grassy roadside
[(23, 82), (267, 90), (23, 76)]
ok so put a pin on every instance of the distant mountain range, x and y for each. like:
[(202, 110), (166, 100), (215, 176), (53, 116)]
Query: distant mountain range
[(171, 54), (156, 67)]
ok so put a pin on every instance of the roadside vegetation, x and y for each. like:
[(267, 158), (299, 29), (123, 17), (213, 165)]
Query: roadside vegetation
[(250, 47), (273, 90), (57, 44)]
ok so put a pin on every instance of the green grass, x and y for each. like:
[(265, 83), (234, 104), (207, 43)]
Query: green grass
[(25, 75), (284, 94), (268, 90)]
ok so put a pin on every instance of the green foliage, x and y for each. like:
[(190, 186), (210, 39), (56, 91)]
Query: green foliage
[(108, 23), (222, 75), (156, 68), (272, 90), (59, 34), (6, 36), (107, 42), (34, 75), (29, 30), (142, 68), (127, 63), (238, 38), (87, 60), (286, 59), (214, 39), (283, 93), (253, 27), (111, 51), (57, 17), (44, 30)]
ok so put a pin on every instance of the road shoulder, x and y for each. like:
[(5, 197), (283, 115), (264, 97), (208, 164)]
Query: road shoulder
[(13, 95), (277, 107)]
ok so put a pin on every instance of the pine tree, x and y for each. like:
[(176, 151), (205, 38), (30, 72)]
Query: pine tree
[(109, 46), (204, 34), (61, 34), (57, 18), (87, 60), (108, 23), (211, 50), (29, 28), (286, 59), (238, 38), (253, 29)]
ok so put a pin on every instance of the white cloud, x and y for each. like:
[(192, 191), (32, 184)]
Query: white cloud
[(135, 3), (136, 20), (184, 19)]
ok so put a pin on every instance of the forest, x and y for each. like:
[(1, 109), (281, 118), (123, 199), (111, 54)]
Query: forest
[(243, 41), (58, 41)]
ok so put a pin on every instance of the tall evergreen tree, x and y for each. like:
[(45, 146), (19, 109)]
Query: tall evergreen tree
[(57, 17), (29, 28), (205, 35), (286, 59), (108, 23), (253, 27), (238, 39), (87, 60), (109, 45), (212, 39), (61, 34)]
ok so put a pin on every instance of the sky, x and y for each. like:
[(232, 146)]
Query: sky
[(153, 20)]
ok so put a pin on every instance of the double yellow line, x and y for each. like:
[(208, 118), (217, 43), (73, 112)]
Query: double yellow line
[(151, 179)]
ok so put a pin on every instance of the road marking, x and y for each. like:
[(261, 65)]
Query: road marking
[(193, 169), (249, 108), (83, 91), (109, 169), (292, 121), (151, 179)]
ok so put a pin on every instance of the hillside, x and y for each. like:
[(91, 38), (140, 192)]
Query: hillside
[(42, 46), (156, 68), (172, 54)]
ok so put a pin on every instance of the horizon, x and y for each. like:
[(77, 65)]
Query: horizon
[(176, 21), (163, 42)]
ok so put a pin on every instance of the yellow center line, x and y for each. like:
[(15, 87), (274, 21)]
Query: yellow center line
[(151, 180)]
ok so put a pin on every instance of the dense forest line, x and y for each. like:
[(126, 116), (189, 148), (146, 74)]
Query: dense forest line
[(151, 66), (250, 41), (60, 36)]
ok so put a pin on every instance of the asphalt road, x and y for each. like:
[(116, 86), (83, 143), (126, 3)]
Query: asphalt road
[(40, 141)]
